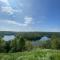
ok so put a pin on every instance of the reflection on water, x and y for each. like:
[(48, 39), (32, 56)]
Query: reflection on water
[(44, 38), (10, 37), (37, 43)]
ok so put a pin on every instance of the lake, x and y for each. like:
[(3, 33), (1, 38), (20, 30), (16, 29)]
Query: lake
[(8, 37)]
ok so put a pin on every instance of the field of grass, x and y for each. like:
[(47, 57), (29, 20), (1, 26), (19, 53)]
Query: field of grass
[(35, 54)]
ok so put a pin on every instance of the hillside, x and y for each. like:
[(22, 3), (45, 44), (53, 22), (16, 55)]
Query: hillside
[(35, 54)]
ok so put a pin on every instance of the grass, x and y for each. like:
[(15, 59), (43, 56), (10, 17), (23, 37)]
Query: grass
[(35, 54)]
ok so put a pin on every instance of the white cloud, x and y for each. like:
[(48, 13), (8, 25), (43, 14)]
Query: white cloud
[(11, 22), (27, 21), (8, 10), (5, 1)]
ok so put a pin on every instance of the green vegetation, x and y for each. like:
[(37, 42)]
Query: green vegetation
[(21, 43), (55, 41), (21, 47), (35, 54)]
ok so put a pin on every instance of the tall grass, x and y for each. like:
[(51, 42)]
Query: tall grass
[(35, 54)]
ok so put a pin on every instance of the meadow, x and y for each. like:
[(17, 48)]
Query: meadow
[(35, 54)]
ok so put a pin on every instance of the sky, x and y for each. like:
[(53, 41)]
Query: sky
[(30, 15)]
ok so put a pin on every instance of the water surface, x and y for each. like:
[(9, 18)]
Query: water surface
[(8, 37)]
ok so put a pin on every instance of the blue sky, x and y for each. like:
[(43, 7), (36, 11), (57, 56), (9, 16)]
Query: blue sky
[(30, 15)]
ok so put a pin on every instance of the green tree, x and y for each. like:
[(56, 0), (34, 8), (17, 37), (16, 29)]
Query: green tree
[(21, 44), (18, 44), (55, 41), (2, 44), (13, 45), (28, 45)]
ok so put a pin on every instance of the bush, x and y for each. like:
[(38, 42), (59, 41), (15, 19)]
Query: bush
[(28, 45), (55, 42)]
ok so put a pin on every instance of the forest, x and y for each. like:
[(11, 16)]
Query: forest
[(23, 41)]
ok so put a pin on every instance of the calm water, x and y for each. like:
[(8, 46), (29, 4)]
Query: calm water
[(34, 43), (6, 37), (45, 38), (10, 37), (37, 43)]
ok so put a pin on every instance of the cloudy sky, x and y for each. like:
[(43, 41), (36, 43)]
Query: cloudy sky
[(30, 15)]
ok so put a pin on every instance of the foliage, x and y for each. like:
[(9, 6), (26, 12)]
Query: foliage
[(45, 44), (55, 41), (28, 45), (17, 44), (22, 42), (35, 54), (2, 45)]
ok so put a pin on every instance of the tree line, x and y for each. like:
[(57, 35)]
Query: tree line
[(20, 43)]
